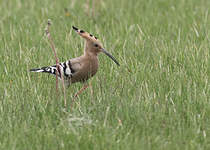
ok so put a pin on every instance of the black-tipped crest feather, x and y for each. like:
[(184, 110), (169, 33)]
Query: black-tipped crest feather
[(76, 29)]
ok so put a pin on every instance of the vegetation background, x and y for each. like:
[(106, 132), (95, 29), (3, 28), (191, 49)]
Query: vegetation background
[(159, 98)]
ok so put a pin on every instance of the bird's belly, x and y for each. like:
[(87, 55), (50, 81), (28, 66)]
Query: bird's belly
[(80, 77), (84, 74)]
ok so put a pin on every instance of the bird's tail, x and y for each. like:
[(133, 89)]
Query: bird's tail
[(64, 69), (51, 70)]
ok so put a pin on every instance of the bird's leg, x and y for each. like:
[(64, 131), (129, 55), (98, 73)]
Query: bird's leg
[(81, 90)]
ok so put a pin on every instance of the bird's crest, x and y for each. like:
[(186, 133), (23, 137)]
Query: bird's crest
[(85, 34)]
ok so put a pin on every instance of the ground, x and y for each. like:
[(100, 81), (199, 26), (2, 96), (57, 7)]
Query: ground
[(158, 99)]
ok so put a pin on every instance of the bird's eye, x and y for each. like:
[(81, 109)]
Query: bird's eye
[(96, 45)]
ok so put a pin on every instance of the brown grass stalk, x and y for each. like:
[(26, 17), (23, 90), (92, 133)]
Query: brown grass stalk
[(47, 30)]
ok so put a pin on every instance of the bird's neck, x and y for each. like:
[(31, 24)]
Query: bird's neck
[(89, 53), (90, 56), (91, 62)]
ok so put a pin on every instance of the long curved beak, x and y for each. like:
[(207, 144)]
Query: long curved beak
[(110, 56)]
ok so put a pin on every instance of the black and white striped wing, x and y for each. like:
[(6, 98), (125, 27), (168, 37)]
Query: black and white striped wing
[(64, 69)]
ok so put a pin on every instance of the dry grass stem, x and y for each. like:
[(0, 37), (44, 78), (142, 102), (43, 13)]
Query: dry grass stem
[(47, 30)]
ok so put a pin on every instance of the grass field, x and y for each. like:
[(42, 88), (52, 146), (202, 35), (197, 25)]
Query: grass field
[(158, 99)]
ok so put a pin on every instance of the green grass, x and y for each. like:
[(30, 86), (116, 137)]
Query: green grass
[(161, 91)]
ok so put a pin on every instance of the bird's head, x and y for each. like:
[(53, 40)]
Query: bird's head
[(93, 45)]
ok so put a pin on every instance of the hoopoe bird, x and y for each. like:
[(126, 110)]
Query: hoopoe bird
[(81, 68)]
